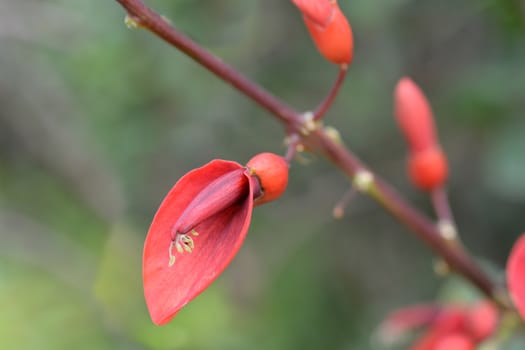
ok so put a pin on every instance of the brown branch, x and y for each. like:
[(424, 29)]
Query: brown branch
[(147, 18), (317, 139), (419, 224)]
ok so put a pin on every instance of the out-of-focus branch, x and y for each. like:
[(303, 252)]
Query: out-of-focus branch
[(317, 139)]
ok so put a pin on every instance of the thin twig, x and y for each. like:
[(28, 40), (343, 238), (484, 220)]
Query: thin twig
[(325, 105), (441, 204), (294, 141)]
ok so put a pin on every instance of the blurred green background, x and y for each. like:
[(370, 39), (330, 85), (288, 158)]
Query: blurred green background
[(97, 122)]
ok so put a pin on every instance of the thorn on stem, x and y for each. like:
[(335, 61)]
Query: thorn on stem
[(294, 145), (132, 21), (363, 180), (447, 229), (333, 134), (441, 268)]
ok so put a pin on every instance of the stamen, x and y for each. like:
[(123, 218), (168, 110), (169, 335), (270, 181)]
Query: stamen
[(172, 257), (183, 243), (179, 247), (187, 242)]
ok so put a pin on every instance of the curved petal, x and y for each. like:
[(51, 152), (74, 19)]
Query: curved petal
[(516, 275), (168, 288), (400, 322), (448, 322)]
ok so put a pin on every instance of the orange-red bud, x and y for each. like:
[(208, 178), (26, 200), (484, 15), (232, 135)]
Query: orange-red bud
[(428, 169), (414, 116), (272, 172), (329, 29), (427, 164)]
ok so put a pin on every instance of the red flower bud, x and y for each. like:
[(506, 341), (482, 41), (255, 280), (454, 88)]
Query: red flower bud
[(516, 275), (199, 227), (428, 169), (455, 341), (272, 172), (427, 164), (414, 116), (329, 29)]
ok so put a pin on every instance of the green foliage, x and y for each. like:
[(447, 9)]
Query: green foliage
[(98, 121)]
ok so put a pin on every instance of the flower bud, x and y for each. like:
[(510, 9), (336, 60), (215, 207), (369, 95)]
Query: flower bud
[(329, 29), (414, 116), (427, 164)]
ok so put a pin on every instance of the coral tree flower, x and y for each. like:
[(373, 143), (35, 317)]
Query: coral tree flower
[(516, 275), (200, 226), (450, 327), (328, 28), (427, 164)]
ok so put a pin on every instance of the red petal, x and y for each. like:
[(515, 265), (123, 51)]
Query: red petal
[(455, 341), (482, 320), (319, 11), (167, 289), (398, 323), (449, 322), (516, 275)]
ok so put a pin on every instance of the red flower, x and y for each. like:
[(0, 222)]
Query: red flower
[(516, 275), (451, 327), (200, 226), (448, 322), (404, 320), (328, 28), (427, 164)]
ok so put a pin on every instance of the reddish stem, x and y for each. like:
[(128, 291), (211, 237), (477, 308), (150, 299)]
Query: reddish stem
[(293, 142), (320, 141), (441, 205), (419, 224), (155, 23), (325, 105)]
